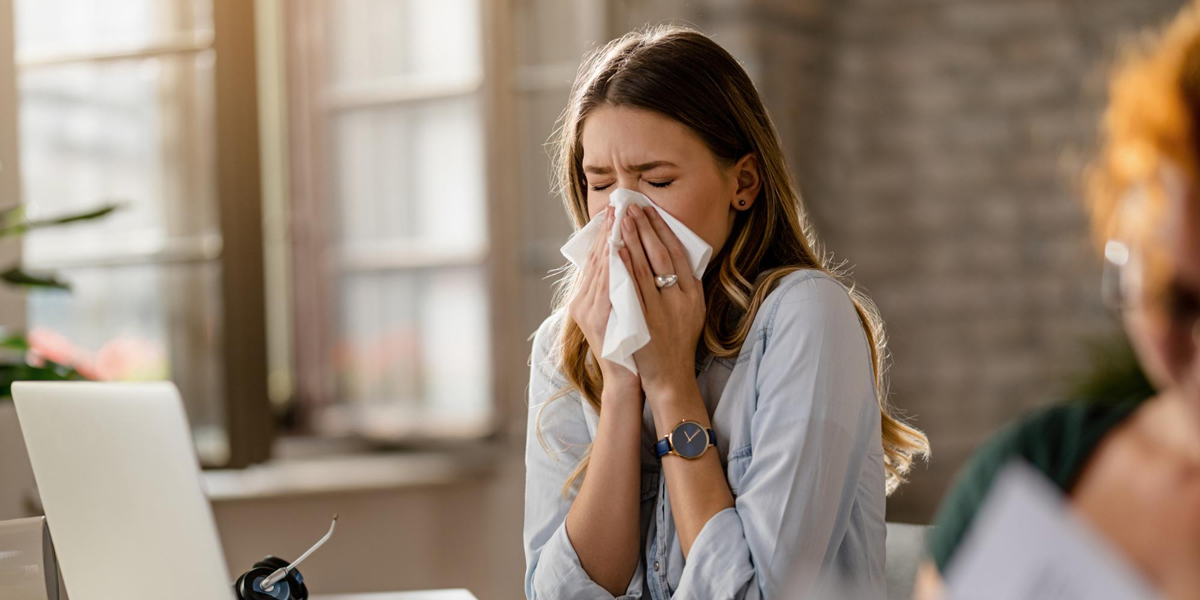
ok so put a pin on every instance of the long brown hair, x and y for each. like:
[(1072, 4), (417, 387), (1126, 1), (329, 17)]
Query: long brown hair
[(682, 74)]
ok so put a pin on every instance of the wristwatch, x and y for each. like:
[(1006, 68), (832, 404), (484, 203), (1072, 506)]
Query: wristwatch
[(688, 439)]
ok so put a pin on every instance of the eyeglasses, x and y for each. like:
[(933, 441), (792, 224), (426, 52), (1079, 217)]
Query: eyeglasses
[(1116, 256), (1177, 308)]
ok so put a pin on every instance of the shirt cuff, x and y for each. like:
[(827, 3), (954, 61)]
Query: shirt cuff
[(718, 566), (559, 574)]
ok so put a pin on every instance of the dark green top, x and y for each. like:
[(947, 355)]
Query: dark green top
[(1058, 441)]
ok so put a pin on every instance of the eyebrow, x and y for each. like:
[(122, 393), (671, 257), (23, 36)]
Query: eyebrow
[(654, 164)]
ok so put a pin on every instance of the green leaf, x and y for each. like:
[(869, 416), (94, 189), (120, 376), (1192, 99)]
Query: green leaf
[(12, 215), (14, 341), (18, 276), (20, 371), (14, 222)]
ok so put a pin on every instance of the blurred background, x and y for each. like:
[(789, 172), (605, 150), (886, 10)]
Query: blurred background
[(329, 222)]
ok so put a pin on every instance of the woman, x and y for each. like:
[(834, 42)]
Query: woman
[(1130, 466), (769, 350)]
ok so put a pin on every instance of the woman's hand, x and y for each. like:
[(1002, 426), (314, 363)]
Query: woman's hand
[(590, 309), (675, 314)]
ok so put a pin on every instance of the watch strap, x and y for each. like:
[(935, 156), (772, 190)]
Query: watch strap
[(662, 447)]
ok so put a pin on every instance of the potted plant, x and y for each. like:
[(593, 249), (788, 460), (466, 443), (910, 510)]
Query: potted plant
[(22, 361)]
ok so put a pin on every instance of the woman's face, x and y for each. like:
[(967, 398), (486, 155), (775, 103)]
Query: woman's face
[(643, 151), (1163, 324)]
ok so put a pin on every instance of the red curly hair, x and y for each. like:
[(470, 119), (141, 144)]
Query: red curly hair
[(1152, 125)]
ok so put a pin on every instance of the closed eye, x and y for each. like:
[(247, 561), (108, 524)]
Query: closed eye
[(661, 184), (1183, 305), (600, 188)]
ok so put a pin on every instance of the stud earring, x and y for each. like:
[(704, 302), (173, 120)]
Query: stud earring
[(741, 202)]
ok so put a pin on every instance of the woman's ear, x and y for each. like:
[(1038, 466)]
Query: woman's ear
[(749, 181)]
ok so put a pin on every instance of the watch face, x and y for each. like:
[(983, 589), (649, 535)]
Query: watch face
[(689, 439)]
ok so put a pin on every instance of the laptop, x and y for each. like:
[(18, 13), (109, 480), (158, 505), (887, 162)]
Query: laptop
[(120, 483)]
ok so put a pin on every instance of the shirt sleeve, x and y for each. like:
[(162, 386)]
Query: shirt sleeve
[(814, 423), (556, 440)]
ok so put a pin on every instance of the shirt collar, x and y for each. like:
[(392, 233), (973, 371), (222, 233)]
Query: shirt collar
[(703, 360)]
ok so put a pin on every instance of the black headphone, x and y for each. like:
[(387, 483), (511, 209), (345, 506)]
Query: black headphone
[(249, 585), (288, 582)]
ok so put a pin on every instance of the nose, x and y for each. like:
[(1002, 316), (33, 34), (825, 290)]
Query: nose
[(626, 179)]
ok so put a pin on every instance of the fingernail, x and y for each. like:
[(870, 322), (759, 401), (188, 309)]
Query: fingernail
[(627, 223), (635, 209)]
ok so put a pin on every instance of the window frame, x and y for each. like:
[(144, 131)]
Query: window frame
[(12, 306), (250, 421), (238, 253), (311, 102)]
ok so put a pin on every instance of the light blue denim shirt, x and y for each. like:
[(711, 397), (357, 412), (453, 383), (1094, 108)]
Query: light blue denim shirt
[(798, 431)]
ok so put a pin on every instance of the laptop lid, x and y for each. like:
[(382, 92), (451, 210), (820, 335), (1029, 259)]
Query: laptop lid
[(120, 483)]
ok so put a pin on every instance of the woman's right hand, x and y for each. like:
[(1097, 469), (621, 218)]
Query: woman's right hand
[(590, 309)]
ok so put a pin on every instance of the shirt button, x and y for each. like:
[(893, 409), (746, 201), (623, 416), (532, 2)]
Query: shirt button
[(656, 566)]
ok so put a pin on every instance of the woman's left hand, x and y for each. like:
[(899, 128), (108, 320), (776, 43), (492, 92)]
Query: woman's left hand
[(674, 314)]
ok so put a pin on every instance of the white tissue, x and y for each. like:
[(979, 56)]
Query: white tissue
[(627, 331)]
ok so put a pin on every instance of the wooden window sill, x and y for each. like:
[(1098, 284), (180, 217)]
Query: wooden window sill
[(365, 471)]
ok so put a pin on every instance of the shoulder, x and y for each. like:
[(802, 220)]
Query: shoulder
[(548, 331), (547, 334), (809, 343), (811, 297), (544, 354), (1056, 440)]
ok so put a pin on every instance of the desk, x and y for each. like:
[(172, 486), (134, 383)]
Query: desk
[(426, 595)]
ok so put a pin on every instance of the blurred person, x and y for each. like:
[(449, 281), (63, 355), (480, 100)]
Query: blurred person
[(1129, 466), (770, 349)]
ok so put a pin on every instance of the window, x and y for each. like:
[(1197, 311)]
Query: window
[(415, 212), (120, 101), (423, 222), (394, 298)]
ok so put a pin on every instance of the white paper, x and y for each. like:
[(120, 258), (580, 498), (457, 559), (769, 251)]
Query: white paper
[(1027, 543), (627, 331)]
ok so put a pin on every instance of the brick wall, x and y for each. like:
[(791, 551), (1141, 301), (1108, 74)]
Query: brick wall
[(937, 144)]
